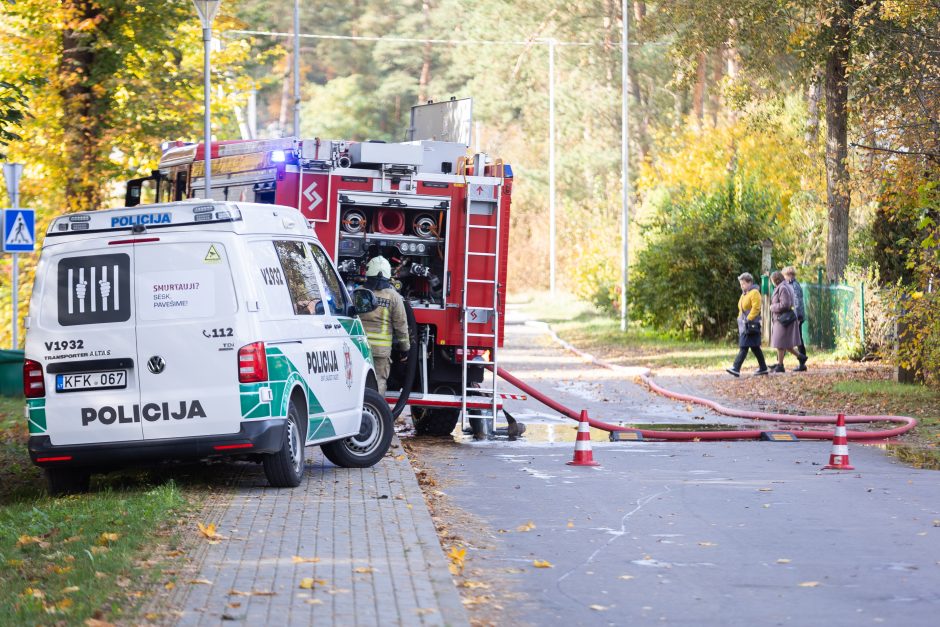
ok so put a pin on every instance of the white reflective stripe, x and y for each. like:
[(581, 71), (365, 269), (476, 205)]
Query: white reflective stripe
[(840, 431), (582, 445), (584, 427), (840, 449)]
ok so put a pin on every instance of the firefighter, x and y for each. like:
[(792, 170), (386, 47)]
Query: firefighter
[(386, 323)]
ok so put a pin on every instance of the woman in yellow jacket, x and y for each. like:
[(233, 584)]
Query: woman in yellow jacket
[(749, 326)]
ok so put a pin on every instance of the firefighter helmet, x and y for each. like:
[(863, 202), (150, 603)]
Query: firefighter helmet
[(379, 266)]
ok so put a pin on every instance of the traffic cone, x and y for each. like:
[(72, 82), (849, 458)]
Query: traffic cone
[(839, 458), (583, 456)]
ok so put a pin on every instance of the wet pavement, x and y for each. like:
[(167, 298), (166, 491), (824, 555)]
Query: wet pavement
[(718, 533)]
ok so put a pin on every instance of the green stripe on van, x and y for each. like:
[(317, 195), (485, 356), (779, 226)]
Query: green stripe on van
[(37, 415), (283, 376), (357, 334)]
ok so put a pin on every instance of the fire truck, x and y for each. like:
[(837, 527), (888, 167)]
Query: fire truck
[(438, 213)]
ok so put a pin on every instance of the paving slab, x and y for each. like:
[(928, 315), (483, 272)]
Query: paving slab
[(364, 536)]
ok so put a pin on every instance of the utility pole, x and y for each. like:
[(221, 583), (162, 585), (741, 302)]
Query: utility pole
[(297, 69), (551, 165), (207, 10), (625, 165)]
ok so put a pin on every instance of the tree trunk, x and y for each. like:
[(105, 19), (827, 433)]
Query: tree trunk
[(714, 94), (83, 125), (698, 94), (837, 171), (813, 94), (426, 57)]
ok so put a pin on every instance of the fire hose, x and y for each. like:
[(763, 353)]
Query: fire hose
[(906, 423)]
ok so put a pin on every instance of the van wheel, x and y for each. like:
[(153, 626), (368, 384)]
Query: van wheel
[(62, 481), (285, 468), (368, 446)]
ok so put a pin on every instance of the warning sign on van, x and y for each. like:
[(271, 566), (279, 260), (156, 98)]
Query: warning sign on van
[(213, 255), (189, 294)]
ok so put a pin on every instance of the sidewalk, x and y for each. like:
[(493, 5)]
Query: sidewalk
[(378, 559)]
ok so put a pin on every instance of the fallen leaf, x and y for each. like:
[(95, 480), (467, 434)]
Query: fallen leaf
[(70, 589), (307, 583), (305, 560), (169, 585), (529, 526), (313, 602), (456, 556), (599, 608), (707, 544), (200, 581), (98, 550), (234, 604), (809, 584), (61, 570), (476, 600), (423, 611), (765, 490), (626, 577), (94, 622), (108, 538), (783, 560), (34, 592), (543, 564), (399, 458), (27, 540), (209, 531), (364, 570), (474, 585), (570, 525), (252, 593)]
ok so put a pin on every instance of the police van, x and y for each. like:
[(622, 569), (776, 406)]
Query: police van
[(195, 330)]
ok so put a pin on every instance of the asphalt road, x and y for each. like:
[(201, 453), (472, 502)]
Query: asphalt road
[(731, 533)]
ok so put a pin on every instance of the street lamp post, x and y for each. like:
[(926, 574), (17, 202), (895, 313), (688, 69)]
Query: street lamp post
[(207, 10)]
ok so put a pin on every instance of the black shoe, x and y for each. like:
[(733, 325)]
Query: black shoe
[(802, 359), (733, 372), (777, 368), (762, 371), (800, 368)]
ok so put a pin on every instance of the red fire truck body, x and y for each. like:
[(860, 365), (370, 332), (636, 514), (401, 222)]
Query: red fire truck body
[(439, 216)]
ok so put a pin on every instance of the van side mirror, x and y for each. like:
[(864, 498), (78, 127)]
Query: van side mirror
[(351, 311), (363, 300)]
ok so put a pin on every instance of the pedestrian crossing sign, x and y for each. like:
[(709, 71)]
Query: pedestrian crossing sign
[(19, 230)]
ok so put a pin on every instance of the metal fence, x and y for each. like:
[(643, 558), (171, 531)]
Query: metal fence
[(835, 313)]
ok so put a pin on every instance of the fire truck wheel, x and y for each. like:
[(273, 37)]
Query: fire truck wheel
[(368, 446), (285, 468), (438, 423), (62, 481)]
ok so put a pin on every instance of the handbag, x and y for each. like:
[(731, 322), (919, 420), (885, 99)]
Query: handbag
[(752, 327), (787, 318)]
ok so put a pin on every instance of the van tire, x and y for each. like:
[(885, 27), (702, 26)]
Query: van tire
[(63, 481), (366, 448), (285, 469)]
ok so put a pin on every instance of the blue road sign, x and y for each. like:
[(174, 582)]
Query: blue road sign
[(19, 230)]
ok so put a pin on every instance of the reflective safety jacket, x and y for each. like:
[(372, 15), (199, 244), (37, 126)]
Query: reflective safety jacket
[(386, 321)]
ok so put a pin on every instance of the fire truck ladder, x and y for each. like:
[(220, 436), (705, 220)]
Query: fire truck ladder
[(481, 201)]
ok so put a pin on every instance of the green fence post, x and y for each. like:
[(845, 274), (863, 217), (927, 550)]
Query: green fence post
[(861, 313)]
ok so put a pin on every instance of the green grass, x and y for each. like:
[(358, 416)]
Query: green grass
[(891, 389), (597, 333), (64, 560)]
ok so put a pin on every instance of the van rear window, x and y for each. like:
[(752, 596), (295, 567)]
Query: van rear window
[(94, 289)]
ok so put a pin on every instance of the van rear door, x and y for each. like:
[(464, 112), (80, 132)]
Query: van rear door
[(187, 338), (87, 342)]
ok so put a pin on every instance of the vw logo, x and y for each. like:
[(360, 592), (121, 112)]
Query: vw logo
[(156, 364)]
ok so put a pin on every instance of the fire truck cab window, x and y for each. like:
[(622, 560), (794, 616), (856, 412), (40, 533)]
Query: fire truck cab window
[(301, 277), (336, 297)]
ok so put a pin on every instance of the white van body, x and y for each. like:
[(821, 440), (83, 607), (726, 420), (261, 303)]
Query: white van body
[(148, 324)]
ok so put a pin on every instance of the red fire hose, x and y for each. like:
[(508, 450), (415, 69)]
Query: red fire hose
[(906, 423)]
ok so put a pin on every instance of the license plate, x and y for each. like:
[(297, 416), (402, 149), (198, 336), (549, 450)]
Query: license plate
[(81, 381)]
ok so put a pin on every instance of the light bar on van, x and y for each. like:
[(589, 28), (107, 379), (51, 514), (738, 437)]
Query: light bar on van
[(204, 209), (79, 218), (278, 156)]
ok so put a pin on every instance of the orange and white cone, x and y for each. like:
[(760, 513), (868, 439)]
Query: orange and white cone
[(839, 458), (583, 456)]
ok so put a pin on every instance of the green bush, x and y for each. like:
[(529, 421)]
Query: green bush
[(685, 279)]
